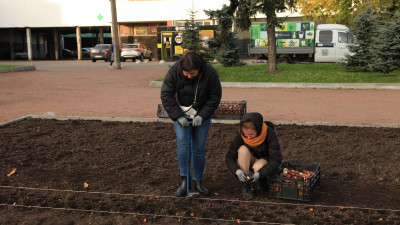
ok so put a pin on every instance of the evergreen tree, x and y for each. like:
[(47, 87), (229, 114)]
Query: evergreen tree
[(365, 29), (191, 38), (191, 34), (229, 53), (387, 48)]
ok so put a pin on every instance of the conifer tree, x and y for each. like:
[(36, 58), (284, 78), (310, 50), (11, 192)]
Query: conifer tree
[(228, 55), (387, 47), (191, 34), (191, 38), (365, 29)]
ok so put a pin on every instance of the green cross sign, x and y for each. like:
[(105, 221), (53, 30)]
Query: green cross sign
[(100, 17)]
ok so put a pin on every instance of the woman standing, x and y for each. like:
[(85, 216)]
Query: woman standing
[(190, 94), (255, 148)]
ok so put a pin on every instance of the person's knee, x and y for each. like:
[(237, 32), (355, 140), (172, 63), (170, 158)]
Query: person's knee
[(198, 151), (259, 164), (243, 150)]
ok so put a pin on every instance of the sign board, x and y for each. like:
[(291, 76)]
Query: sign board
[(178, 39), (152, 30), (140, 30), (291, 34)]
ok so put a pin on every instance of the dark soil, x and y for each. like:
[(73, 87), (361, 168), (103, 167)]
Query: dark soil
[(132, 174)]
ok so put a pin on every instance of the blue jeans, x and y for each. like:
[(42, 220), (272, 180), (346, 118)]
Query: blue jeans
[(198, 144)]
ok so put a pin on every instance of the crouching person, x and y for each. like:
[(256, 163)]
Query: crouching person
[(254, 153)]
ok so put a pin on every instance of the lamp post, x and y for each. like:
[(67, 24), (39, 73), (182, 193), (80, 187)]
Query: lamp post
[(115, 37)]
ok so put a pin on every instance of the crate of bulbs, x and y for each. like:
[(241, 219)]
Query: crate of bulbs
[(229, 110), (295, 182)]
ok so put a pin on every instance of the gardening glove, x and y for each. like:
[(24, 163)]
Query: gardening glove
[(255, 177), (183, 122), (197, 121), (241, 175)]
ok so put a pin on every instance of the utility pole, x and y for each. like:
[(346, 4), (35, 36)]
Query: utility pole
[(115, 38)]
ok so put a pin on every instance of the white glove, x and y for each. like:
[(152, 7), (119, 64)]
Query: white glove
[(197, 121), (255, 177), (183, 122), (241, 175)]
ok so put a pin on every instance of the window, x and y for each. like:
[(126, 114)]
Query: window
[(345, 37), (199, 23), (325, 36), (350, 38)]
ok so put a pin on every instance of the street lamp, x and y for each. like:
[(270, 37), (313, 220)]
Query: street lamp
[(115, 38)]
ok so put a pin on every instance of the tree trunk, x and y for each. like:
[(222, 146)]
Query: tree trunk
[(272, 67)]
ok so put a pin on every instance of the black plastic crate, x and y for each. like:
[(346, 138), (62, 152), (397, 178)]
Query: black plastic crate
[(161, 113), (230, 110), (226, 110), (300, 189)]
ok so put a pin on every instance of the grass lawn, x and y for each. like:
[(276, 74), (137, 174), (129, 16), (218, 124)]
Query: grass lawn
[(304, 73), (6, 66)]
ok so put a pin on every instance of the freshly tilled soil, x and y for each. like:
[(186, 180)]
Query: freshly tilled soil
[(131, 174)]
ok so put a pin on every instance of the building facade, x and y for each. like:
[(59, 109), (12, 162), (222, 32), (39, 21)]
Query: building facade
[(47, 29)]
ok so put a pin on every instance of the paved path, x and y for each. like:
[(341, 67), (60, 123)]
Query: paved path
[(82, 88)]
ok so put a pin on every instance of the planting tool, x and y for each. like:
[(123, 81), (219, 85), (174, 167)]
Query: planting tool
[(189, 150)]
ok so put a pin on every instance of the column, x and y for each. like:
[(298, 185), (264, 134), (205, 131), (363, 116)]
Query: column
[(79, 42), (56, 44), (101, 35), (29, 43), (12, 50)]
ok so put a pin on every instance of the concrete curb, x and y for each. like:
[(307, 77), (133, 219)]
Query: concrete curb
[(388, 86), (167, 120), (17, 69)]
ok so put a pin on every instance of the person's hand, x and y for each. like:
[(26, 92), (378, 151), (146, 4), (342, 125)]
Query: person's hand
[(241, 175), (183, 122), (197, 121), (255, 177)]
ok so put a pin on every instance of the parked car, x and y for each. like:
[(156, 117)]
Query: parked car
[(66, 53), (135, 51), (86, 52), (101, 51)]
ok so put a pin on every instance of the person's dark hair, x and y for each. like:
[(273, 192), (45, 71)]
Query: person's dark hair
[(248, 124), (191, 61)]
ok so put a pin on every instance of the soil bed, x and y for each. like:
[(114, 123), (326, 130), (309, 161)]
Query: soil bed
[(131, 172)]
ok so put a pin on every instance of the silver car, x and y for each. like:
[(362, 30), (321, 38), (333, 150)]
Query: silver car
[(136, 51), (101, 52)]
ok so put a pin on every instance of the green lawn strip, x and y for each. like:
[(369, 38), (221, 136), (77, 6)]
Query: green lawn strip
[(301, 73), (306, 73), (7, 66)]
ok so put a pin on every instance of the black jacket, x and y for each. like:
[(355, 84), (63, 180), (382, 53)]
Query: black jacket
[(208, 95), (269, 150)]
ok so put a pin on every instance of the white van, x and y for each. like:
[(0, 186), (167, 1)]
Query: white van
[(332, 42)]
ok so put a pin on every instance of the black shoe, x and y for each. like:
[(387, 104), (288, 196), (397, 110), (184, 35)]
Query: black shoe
[(182, 190), (262, 185), (198, 186), (247, 191)]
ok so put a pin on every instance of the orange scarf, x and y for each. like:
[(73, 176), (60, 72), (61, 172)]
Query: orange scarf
[(259, 139)]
